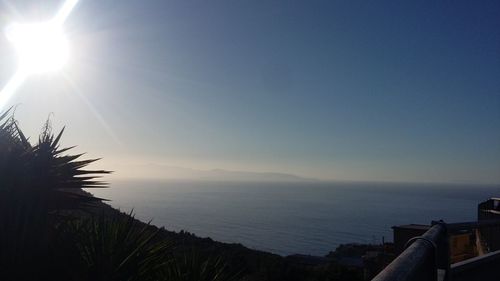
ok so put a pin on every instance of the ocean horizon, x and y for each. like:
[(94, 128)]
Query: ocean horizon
[(295, 217)]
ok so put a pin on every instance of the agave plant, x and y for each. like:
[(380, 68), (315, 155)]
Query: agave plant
[(43, 171), (35, 182)]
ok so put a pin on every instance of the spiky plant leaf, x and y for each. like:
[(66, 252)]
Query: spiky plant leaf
[(117, 247), (194, 266)]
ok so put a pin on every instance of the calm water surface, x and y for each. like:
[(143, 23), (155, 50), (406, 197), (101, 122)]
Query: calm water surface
[(286, 218)]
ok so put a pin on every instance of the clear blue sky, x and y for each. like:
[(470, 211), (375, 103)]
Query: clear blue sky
[(357, 90)]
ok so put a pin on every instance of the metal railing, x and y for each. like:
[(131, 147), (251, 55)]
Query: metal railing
[(428, 257)]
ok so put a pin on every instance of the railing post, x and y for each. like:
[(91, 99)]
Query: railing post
[(443, 253), (419, 262)]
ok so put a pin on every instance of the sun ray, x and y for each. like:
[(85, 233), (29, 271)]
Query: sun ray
[(10, 88), (91, 107), (64, 11)]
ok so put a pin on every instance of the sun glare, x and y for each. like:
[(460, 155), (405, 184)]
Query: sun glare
[(40, 47)]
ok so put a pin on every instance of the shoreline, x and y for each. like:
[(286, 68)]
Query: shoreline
[(258, 265)]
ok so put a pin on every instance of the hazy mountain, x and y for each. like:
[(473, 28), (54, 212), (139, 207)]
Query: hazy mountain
[(157, 171)]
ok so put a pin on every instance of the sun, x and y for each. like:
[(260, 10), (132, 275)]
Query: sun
[(40, 47)]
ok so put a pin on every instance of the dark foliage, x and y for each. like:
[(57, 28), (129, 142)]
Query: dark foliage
[(43, 172), (115, 247), (37, 182), (194, 266)]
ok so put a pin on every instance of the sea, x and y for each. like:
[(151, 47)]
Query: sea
[(310, 218)]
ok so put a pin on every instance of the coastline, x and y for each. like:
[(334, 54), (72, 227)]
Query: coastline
[(253, 265)]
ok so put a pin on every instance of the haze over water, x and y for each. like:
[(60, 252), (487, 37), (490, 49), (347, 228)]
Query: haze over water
[(287, 218)]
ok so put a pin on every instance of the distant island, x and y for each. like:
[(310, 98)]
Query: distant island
[(159, 171)]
